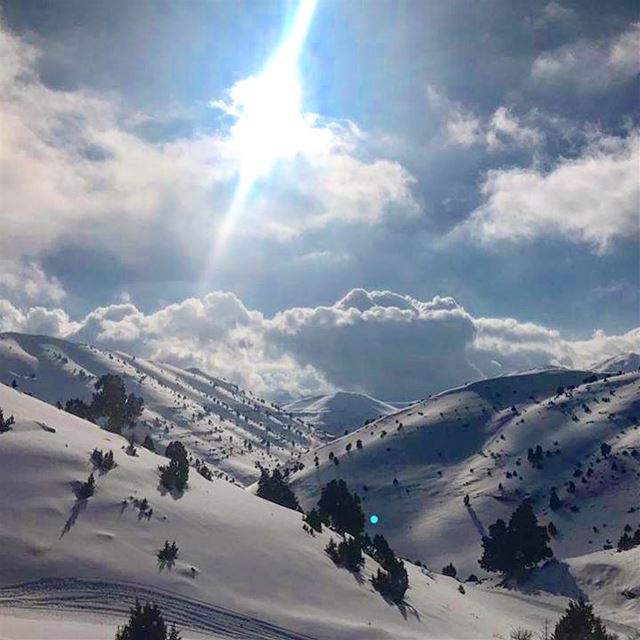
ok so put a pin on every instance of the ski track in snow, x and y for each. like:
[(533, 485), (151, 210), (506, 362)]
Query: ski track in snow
[(71, 594)]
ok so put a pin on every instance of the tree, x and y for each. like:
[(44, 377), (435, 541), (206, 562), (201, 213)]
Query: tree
[(605, 449), (580, 623), (79, 408), (275, 488), (449, 570), (358, 444), (347, 554), (313, 520), (513, 549), (146, 623), (5, 425), (168, 554), (87, 488), (393, 582), (552, 529), (111, 401), (554, 501), (341, 509), (176, 474)]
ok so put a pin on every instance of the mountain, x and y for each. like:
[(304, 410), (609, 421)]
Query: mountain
[(413, 469), (336, 412), (625, 363), (229, 429), (246, 569)]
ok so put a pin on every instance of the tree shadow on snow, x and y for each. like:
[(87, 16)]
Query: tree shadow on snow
[(79, 506), (476, 521), (405, 608), (554, 577), (174, 493)]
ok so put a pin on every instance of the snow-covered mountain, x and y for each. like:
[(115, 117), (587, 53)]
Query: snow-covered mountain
[(625, 363), (413, 469), (340, 411), (230, 429), (245, 569)]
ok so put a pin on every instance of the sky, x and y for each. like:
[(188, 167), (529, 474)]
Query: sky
[(387, 197)]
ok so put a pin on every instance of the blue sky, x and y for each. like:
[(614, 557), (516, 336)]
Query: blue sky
[(485, 151)]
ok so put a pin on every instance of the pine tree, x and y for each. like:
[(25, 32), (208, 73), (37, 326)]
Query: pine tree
[(554, 501), (313, 520), (580, 623), (111, 401), (87, 489), (175, 475), (449, 570), (276, 489), (514, 549), (146, 623), (341, 509), (5, 425)]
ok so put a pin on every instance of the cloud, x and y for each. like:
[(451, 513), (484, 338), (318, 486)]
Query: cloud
[(26, 282), (77, 172), (556, 12), (593, 198), (592, 64), (380, 342), (502, 130)]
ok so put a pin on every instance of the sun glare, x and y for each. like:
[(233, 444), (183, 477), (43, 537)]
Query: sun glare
[(269, 125)]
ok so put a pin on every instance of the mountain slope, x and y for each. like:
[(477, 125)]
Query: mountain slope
[(245, 570), (229, 429), (623, 363), (337, 412), (416, 466)]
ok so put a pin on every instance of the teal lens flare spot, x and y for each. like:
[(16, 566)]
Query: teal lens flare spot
[(373, 518)]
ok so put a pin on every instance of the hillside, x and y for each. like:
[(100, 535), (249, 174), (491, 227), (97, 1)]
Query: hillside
[(336, 412), (245, 570), (623, 363), (230, 429), (415, 466)]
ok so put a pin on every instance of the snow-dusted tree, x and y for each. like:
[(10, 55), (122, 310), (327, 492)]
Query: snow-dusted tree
[(175, 475)]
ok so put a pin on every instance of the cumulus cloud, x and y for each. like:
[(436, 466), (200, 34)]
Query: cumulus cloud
[(380, 342), (593, 198), (592, 64), (75, 171), (26, 282), (501, 130)]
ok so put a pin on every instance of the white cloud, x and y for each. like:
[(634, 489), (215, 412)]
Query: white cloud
[(75, 172), (592, 64), (501, 130), (556, 12), (381, 342), (26, 282), (593, 198)]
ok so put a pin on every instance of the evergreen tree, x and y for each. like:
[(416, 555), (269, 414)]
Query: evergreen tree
[(514, 549), (580, 623), (175, 475), (275, 488), (79, 408), (111, 401), (449, 570), (393, 582), (146, 623), (87, 488), (5, 425), (554, 501), (340, 509), (313, 520), (347, 554)]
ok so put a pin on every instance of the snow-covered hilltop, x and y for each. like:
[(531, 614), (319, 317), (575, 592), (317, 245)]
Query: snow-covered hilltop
[(229, 429), (623, 363), (339, 411), (498, 441), (246, 569)]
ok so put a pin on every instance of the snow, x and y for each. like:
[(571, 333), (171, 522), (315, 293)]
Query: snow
[(625, 363), (224, 426), (464, 441), (336, 412), (257, 573)]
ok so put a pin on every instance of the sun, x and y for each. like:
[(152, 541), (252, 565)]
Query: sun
[(269, 123)]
